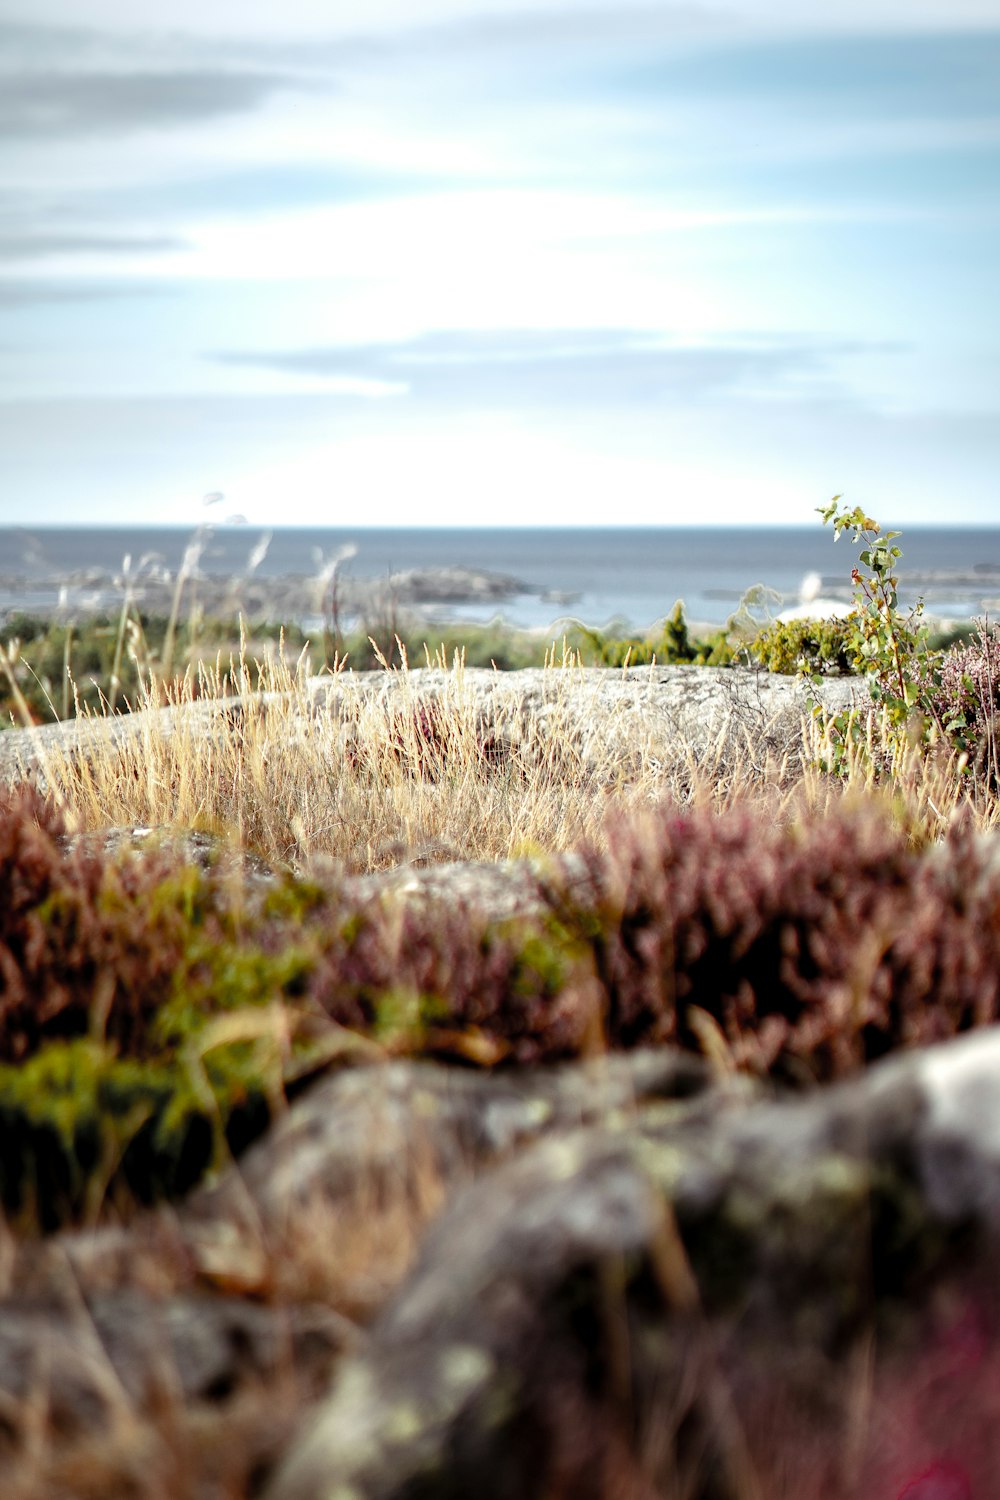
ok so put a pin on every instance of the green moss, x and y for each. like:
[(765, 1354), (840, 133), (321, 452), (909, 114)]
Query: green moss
[(80, 1124), (352, 927), (184, 1062), (68, 1117), (184, 893)]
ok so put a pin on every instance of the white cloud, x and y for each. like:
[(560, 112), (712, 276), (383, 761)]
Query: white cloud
[(531, 173), (525, 257)]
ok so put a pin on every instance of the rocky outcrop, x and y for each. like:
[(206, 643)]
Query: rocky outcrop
[(189, 1300), (126, 1349), (259, 598), (594, 713), (617, 1299), (597, 709)]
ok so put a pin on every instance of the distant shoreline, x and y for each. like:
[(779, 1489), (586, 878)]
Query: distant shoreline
[(532, 578)]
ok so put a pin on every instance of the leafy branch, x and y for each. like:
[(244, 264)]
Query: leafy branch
[(889, 646)]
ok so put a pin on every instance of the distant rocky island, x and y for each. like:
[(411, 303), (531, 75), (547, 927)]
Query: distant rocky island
[(296, 596)]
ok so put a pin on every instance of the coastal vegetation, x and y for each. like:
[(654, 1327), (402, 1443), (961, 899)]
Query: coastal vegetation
[(157, 1013), (182, 1001), (198, 919)]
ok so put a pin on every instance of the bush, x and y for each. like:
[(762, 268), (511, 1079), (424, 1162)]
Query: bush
[(816, 647), (114, 979), (672, 647), (966, 700), (152, 1012), (924, 694), (812, 951), (969, 686)]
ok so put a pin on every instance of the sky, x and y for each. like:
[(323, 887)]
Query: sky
[(464, 262)]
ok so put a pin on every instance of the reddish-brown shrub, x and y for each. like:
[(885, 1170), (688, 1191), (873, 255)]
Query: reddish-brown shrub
[(449, 979), (814, 948), (90, 945), (967, 701), (830, 942)]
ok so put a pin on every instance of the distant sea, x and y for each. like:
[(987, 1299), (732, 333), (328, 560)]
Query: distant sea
[(595, 575)]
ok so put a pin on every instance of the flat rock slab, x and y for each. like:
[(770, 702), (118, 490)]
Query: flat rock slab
[(598, 710), (601, 707)]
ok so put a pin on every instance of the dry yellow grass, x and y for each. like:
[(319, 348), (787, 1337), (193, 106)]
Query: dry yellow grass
[(375, 784), (927, 788), (386, 779)]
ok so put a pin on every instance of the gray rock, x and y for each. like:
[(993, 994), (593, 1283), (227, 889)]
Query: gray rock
[(577, 1305), (598, 709), (86, 1329), (192, 846), (124, 1350), (368, 1130), (259, 597), (28, 753), (590, 713)]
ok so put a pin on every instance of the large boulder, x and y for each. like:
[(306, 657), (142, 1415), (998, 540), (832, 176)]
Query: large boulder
[(683, 1299)]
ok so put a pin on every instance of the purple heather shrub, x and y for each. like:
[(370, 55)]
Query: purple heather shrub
[(88, 945), (970, 676), (817, 947), (967, 699), (46, 902), (812, 948), (471, 986)]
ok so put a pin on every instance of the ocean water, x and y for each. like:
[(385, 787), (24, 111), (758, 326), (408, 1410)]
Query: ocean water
[(633, 575)]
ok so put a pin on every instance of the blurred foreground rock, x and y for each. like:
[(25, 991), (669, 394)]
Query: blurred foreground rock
[(640, 1306), (625, 1276)]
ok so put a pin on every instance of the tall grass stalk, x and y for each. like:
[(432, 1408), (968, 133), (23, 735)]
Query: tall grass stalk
[(187, 569), (114, 685)]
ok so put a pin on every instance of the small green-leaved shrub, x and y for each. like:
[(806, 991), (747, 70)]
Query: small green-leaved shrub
[(817, 648), (925, 695)]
